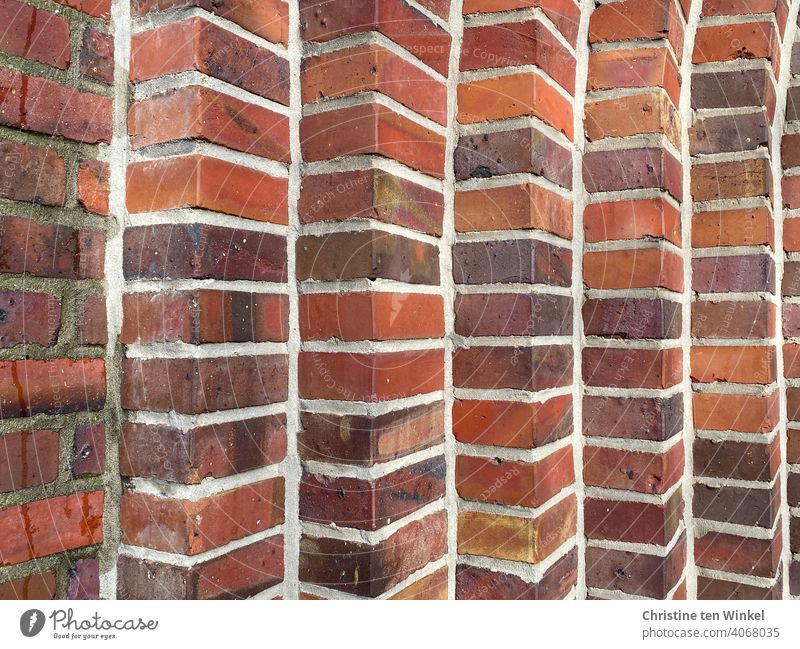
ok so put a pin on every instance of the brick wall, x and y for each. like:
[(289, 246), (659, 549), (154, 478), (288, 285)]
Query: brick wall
[(411, 299)]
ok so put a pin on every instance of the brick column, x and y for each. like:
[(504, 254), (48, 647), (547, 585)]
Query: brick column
[(790, 160), (204, 378), (633, 272), (733, 359), (371, 368), (56, 114), (512, 266)]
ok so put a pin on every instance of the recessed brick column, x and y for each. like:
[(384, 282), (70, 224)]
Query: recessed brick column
[(737, 499), (371, 367), (205, 309), (633, 460), (512, 268)]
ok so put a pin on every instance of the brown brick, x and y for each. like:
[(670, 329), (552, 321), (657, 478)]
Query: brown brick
[(518, 368), (728, 133), (512, 261), (513, 314), (633, 318), (617, 170), (733, 274), (650, 418), (32, 174), (738, 505), (632, 368), (633, 522)]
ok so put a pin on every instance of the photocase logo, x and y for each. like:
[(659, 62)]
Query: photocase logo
[(31, 622)]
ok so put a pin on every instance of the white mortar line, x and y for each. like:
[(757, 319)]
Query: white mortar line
[(293, 468), (449, 292)]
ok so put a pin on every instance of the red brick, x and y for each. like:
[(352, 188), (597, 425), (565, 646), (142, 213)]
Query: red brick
[(190, 527), (208, 183), (729, 133), (93, 185), (212, 50), (192, 386), (515, 95), (432, 587), (733, 364), (517, 368), (516, 44), (216, 450), (268, 19), (28, 459), (370, 316), (198, 113), (733, 274), (565, 14), (637, 20), (514, 538), (29, 318), (636, 219), (371, 194), (370, 254), (370, 377), (749, 227), (92, 322), (398, 21), (371, 504), (634, 68), (633, 522), (752, 40), (731, 319), (729, 553), (738, 505), (32, 174), (513, 314), (368, 440), (46, 527), (88, 450), (373, 68), (199, 251), (649, 418), (618, 170), (40, 586), (239, 574), (512, 424), (738, 412), (633, 470), (647, 112), (722, 589), (370, 570), (632, 368), (632, 318), (514, 483), (97, 55), (47, 250), (62, 386), (374, 129), (516, 207), (44, 106), (84, 580), (633, 268), (733, 89), (35, 34)]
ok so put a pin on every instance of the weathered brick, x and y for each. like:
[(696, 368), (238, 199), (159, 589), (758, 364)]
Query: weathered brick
[(732, 89), (739, 505), (736, 460), (747, 227), (525, 261), (730, 553), (647, 112), (97, 55), (195, 385), (30, 387), (650, 418), (515, 95), (370, 316), (92, 322), (514, 538), (198, 113), (398, 21), (375, 129), (736, 179), (200, 251), (733, 274), (632, 318), (728, 133), (645, 472), (632, 368), (88, 450), (513, 314), (84, 580), (28, 318), (435, 585), (239, 574), (634, 68), (633, 522), (190, 527), (373, 68), (515, 207), (32, 174), (371, 504), (369, 570), (500, 153), (751, 40), (94, 189), (368, 440), (637, 20), (514, 483), (35, 34), (371, 194), (212, 50), (28, 459), (97, 8), (520, 368), (731, 319), (41, 586), (370, 376), (617, 170), (45, 527)]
